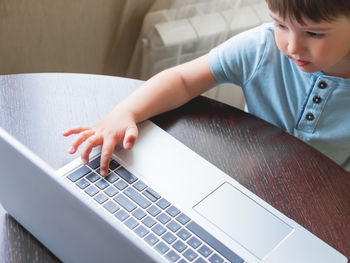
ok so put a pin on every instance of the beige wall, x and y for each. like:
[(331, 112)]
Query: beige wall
[(86, 36)]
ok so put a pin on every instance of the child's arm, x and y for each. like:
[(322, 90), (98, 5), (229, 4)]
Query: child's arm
[(165, 91)]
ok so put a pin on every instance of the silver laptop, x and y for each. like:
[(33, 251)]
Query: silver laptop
[(160, 202)]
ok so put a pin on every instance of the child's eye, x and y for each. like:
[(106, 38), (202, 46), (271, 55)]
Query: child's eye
[(315, 35), (280, 26)]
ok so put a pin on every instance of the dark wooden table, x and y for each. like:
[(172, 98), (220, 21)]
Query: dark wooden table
[(287, 173)]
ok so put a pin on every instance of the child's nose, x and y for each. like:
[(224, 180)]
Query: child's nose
[(295, 45)]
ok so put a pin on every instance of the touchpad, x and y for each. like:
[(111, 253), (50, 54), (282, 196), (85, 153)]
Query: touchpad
[(243, 219)]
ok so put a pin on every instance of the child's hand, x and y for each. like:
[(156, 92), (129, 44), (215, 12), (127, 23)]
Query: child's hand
[(165, 91), (110, 130)]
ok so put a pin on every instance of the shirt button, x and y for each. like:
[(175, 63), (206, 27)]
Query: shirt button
[(310, 117), (317, 99), (322, 85)]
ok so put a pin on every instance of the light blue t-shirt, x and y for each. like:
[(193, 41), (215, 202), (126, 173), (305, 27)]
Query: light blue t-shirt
[(312, 106)]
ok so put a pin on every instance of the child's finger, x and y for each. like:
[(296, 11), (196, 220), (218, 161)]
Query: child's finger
[(106, 154), (75, 130), (90, 143), (80, 139), (130, 137)]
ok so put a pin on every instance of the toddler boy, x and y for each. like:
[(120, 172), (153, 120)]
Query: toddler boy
[(294, 73)]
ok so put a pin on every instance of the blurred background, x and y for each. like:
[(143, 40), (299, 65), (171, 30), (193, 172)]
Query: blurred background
[(125, 38)]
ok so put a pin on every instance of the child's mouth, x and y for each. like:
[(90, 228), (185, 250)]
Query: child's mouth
[(301, 63)]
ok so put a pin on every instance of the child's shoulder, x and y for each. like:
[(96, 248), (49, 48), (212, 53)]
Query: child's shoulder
[(251, 39), (239, 58), (263, 28), (263, 35), (254, 42)]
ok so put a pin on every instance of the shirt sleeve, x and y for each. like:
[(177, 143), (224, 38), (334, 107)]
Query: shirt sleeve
[(237, 59)]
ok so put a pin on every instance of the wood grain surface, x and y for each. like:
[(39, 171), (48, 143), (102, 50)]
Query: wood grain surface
[(290, 175)]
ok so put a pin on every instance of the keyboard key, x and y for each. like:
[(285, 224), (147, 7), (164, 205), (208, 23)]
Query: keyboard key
[(79, 173), (173, 211), (113, 165), (151, 239), (100, 198), (169, 237), (93, 177), (153, 193), (153, 210), (102, 184), (182, 261), (205, 251), (121, 215), (120, 184), (214, 243), (183, 234), (124, 202), (136, 197), (95, 163), (82, 184), (162, 203), (141, 231), (112, 177), (215, 259), (163, 218), (161, 247), (139, 214), (149, 221), (111, 207), (199, 260), (172, 256), (158, 229), (183, 219), (149, 196), (173, 226), (190, 254), (126, 175), (194, 242), (179, 246), (139, 185), (111, 191), (91, 191), (131, 223)]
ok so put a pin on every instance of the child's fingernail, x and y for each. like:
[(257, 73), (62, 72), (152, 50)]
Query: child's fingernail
[(84, 162), (103, 172), (71, 149), (128, 145)]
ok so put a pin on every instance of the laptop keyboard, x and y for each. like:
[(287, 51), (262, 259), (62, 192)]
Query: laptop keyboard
[(150, 216)]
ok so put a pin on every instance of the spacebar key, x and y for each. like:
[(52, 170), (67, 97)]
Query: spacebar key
[(214, 243)]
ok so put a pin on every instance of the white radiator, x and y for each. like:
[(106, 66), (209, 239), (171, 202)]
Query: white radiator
[(189, 29)]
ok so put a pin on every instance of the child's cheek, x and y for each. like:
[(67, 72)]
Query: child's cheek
[(280, 41)]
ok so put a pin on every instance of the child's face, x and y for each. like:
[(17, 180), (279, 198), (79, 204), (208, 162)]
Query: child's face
[(316, 47)]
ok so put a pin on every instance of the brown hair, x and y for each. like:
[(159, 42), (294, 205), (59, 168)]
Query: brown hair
[(315, 10)]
